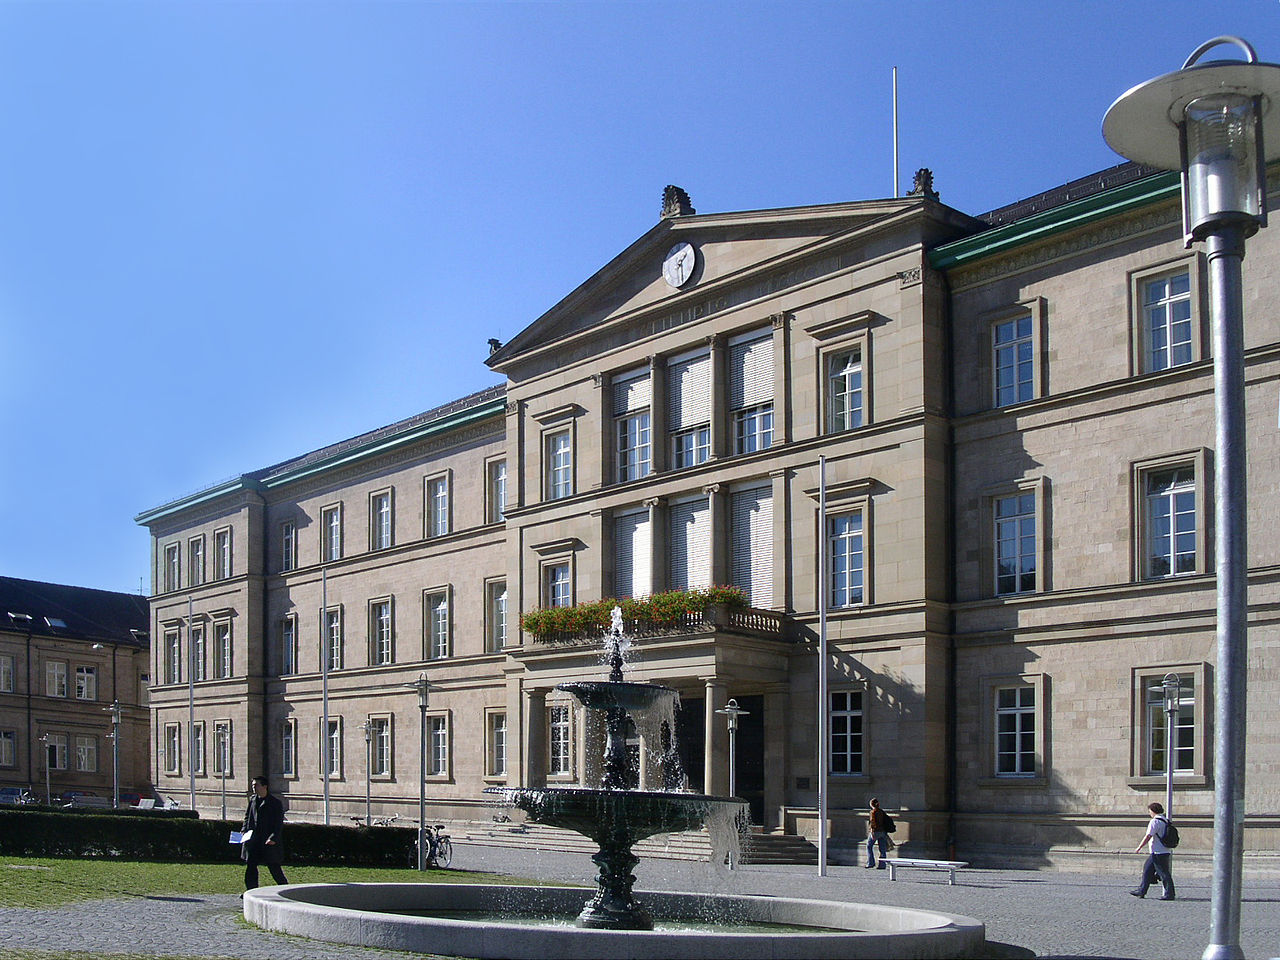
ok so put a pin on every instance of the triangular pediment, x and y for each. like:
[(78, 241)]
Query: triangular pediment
[(729, 249)]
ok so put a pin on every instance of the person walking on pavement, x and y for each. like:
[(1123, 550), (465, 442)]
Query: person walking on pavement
[(877, 833), (1160, 859), (263, 826)]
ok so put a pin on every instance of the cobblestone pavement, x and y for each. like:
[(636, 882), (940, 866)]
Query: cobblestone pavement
[(1031, 913)]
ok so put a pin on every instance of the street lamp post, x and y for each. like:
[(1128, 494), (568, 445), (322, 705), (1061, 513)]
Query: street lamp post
[(114, 710), (48, 788), (1171, 686), (367, 727), (424, 690), (732, 712), (222, 766), (1205, 121)]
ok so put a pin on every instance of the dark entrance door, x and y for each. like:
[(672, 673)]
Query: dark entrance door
[(750, 749), (690, 742)]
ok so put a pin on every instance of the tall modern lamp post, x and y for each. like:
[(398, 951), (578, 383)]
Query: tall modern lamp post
[(732, 712), (367, 727), (114, 710), (424, 692), (1205, 121), (1171, 688), (223, 763), (48, 783)]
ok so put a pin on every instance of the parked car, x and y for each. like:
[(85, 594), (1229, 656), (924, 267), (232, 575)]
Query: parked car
[(67, 796)]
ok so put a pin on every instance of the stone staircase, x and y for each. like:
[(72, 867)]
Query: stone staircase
[(695, 845)]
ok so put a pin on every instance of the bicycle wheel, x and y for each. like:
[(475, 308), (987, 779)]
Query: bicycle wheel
[(444, 852)]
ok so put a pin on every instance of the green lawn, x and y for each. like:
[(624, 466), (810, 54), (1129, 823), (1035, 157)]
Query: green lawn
[(32, 882)]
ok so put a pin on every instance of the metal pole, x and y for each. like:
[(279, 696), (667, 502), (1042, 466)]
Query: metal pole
[(1225, 250), (368, 747), (222, 764), (325, 651), (422, 784), (823, 745), (191, 707), (48, 788), (895, 132), (1171, 686), (115, 754)]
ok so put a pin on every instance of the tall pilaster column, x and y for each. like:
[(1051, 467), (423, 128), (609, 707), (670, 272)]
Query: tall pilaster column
[(715, 776), (534, 773)]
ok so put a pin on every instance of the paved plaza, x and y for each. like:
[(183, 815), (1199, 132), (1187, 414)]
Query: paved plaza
[(1027, 913)]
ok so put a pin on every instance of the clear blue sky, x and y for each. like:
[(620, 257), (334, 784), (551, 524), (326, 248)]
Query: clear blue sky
[(232, 232)]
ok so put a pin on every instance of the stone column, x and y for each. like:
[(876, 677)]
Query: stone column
[(659, 571), (659, 453), (715, 776), (718, 510), (781, 378), (720, 427)]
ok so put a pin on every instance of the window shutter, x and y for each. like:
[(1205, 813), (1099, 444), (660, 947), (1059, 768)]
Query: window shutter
[(631, 545), (751, 372), (631, 391), (690, 544), (688, 392), (752, 534)]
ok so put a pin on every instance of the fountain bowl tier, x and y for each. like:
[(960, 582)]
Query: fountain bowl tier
[(614, 694), (601, 814), (371, 915)]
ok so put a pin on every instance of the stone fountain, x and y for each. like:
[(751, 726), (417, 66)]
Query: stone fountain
[(613, 816)]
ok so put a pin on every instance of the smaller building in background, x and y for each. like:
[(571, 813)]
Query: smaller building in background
[(67, 654)]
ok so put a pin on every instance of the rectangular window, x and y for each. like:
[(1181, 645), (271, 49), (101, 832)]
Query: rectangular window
[(1171, 522), (331, 533), (689, 544), (1161, 743), (1013, 360), (55, 678), (437, 605), (557, 586), (689, 409), (288, 645), (195, 561), (333, 638), (846, 556), (222, 565), (438, 738), (751, 392), (1015, 725), (222, 749), (198, 654), (222, 662), (437, 506), (288, 546), (844, 390), (1015, 543), (380, 746), (559, 460), (8, 748), (86, 683), (380, 521), (633, 552), (172, 567), (496, 491), (172, 657), (496, 615), (632, 398), (6, 673), (846, 732), (751, 554), (331, 750), (86, 754), (1167, 327), (172, 749), (497, 751), (288, 748), (197, 748), (380, 651), (560, 756), (56, 751)]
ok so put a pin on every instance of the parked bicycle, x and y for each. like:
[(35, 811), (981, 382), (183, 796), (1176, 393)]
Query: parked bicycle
[(439, 847)]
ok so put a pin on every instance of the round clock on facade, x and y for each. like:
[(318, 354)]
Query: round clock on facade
[(678, 265)]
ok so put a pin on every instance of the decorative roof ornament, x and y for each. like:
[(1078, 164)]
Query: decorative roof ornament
[(922, 185), (676, 203)]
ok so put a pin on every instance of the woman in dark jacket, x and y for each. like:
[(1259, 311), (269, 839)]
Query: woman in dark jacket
[(264, 822)]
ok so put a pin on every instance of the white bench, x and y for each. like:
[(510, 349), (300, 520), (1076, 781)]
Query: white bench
[(951, 866)]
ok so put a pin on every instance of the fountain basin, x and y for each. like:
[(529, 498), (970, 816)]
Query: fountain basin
[(598, 814), (353, 913), (613, 694)]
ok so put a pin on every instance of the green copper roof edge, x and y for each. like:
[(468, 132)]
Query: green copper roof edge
[(452, 422), (212, 493), (1038, 226)]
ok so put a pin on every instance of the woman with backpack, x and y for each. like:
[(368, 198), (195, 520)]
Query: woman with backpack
[(879, 826), (1162, 837)]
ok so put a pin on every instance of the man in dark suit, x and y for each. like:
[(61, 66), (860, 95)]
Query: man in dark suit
[(264, 821)]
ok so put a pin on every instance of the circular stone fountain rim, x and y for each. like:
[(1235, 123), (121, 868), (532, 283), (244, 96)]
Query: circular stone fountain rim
[(300, 910)]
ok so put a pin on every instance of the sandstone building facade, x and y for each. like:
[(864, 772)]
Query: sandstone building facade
[(1014, 414)]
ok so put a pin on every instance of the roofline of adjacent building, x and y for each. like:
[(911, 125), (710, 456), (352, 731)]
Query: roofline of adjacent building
[(1057, 219)]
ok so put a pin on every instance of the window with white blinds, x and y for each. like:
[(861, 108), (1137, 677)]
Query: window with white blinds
[(632, 396), (632, 391), (751, 372), (632, 551), (689, 409), (751, 533), (690, 544)]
